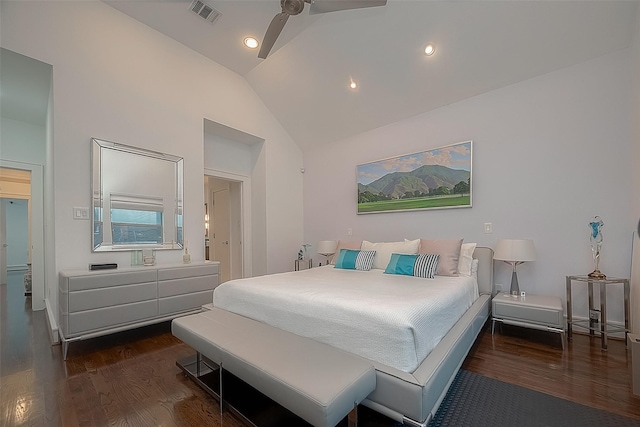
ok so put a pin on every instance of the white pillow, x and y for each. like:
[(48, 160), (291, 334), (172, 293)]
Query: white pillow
[(474, 268), (384, 250), (466, 258)]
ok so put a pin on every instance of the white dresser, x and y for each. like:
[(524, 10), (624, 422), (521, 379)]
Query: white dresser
[(94, 303)]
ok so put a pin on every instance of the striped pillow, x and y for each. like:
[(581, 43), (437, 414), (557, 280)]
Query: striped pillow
[(423, 265), (350, 259), (426, 265)]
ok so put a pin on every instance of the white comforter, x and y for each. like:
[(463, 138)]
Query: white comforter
[(391, 319)]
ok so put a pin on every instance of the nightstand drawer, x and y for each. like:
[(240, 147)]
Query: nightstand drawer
[(534, 314)]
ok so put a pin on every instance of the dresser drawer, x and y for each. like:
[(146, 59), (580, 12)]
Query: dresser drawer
[(96, 280), (104, 318), (544, 316), (115, 295), (167, 288), (186, 302)]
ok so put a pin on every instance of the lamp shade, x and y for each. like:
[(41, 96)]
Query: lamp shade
[(515, 250), (327, 247)]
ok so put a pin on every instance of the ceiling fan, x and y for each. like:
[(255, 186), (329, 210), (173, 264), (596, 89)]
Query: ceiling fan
[(294, 7)]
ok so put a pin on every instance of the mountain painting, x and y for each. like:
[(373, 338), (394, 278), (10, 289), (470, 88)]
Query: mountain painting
[(434, 179)]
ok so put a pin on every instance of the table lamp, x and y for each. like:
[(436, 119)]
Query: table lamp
[(514, 252), (327, 248)]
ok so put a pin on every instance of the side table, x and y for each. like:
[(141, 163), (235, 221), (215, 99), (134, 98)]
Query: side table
[(530, 311), (596, 322), (303, 264)]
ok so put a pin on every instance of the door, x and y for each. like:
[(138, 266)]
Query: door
[(221, 235)]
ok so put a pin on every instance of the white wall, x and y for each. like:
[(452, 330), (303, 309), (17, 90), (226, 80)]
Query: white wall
[(119, 80), (22, 142), (549, 154), (635, 90)]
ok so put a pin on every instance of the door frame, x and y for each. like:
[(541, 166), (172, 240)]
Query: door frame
[(245, 213), (37, 230)]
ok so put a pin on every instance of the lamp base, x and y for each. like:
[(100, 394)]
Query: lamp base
[(515, 289), (596, 274)]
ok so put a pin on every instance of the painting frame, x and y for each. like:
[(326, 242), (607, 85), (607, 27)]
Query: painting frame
[(424, 180)]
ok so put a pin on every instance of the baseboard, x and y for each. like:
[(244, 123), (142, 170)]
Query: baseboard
[(52, 325)]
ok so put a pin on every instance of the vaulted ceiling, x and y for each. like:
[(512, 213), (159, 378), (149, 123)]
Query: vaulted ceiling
[(480, 46)]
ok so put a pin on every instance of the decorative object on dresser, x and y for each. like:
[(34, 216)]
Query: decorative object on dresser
[(95, 303), (595, 227), (598, 318), (530, 311), (514, 252), (327, 248)]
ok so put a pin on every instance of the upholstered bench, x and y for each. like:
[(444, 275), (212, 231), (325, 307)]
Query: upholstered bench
[(317, 382)]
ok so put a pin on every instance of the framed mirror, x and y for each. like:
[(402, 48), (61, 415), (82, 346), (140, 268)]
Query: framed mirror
[(137, 198)]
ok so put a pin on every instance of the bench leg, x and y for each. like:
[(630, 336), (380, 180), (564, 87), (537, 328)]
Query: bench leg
[(221, 371), (352, 417)]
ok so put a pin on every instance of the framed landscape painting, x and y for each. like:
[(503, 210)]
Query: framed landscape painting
[(435, 179)]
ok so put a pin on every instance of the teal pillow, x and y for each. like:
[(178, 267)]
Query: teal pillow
[(422, 265), (401, 264), (350, 259)]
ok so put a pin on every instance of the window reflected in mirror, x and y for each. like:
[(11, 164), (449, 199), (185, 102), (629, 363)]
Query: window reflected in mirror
[(137, 198)]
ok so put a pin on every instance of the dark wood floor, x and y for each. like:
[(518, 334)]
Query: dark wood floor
[(131, 378)]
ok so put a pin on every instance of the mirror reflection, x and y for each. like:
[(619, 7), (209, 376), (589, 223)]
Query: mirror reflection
[(137, 198)]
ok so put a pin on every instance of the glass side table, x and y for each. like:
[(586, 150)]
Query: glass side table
[(598, 322), (303, 264)]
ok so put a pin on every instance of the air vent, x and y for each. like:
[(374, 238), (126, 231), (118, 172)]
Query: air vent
[(204, 10)]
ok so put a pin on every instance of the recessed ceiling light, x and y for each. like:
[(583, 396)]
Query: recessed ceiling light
[(250, 42), (429, 49), (353, 84)]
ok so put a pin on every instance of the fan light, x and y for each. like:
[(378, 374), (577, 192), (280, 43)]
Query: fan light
[(429, 49), (251, 42), (353, 85)]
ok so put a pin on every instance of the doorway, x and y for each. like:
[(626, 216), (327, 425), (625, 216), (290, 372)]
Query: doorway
[(21, 183), (15, 239), (223, 226)]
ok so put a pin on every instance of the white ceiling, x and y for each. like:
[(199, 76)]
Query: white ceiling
[(481, 46)]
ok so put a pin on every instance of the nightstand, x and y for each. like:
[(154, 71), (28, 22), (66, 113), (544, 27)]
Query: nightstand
[(531, 311), (303, 264)]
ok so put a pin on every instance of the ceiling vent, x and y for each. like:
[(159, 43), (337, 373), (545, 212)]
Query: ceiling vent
[(204, 10)]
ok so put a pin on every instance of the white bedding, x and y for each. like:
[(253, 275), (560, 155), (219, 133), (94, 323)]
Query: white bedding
[(391, 319)]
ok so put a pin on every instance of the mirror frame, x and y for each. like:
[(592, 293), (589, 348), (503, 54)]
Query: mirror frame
[(98, 148)]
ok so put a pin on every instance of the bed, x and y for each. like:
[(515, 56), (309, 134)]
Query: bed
[(416, 331)]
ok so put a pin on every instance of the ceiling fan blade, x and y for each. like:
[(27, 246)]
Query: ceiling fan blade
[(270, 37), (323, 6)]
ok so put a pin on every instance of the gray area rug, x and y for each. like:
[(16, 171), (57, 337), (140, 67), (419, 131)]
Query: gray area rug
[(478, 401)]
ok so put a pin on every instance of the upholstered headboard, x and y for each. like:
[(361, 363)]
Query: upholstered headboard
[(485, 269)]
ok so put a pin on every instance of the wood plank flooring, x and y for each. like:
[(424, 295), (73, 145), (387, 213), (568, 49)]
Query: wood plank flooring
[(130, 378)]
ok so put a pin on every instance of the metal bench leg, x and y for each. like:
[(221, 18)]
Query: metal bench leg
[(221, 395)]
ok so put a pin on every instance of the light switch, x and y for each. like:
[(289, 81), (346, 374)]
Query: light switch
[(488, 228), (80, 213)]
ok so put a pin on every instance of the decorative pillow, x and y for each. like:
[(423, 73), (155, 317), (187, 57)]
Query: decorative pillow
[(401, 264), (350, 259), (449, 251), (345, 245), (466, 258), (423, 265), (474, 268), (384, 250)]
